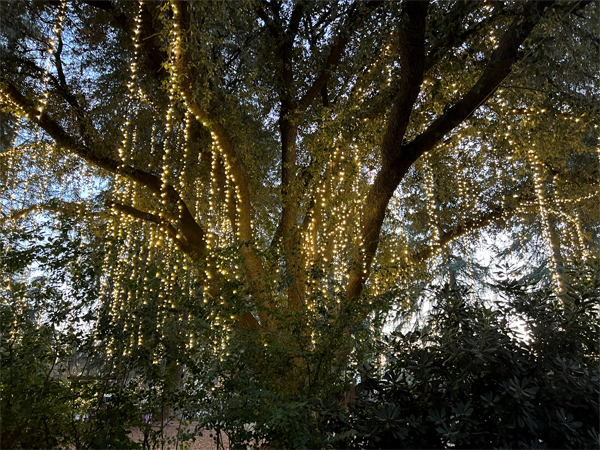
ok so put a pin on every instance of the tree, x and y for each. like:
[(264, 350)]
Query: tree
[(289, 171)]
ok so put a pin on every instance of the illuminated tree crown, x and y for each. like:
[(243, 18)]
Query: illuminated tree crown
[(263, 158)]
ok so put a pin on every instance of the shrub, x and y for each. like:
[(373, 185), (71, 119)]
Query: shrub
[(465, 379)]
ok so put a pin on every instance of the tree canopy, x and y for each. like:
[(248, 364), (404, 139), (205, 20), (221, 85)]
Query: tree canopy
[(293, 171)]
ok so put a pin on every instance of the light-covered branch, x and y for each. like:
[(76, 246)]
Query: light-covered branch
[(181, 216), (398, 158)]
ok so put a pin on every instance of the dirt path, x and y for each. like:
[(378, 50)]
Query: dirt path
[(204, 442)]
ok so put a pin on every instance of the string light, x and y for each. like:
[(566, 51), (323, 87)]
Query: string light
[(542, 200), (431, 201), (53, 43)]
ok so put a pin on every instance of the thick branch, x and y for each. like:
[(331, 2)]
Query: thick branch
[(180, 213), (289, 129), (253, 263), (183, 244), (287, 95), (149, 42), (397, 160), (462, 229), (273, 27), (516, 202), (247, 320), (412, 52), (218, 131), (499, 66)]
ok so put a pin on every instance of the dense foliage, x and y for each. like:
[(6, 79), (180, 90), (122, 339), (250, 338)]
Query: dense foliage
[(466, 378), (519, 371), (212, 210)]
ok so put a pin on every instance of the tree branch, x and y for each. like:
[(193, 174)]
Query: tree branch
[(247, 320), (289, 131), (274, 28), (218, 131), (16, 215), (182, 216), (412, 52), (183, 244), (460, 230), (53, 205), (455, 38), (399, 158), (499, 66), (155, 56), (358, 12), (253, 263)]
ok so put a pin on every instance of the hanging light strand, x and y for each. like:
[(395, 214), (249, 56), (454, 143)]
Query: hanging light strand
[(52, 46), (540, 192)]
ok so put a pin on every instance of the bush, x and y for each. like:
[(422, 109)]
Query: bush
[(466, 380)]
